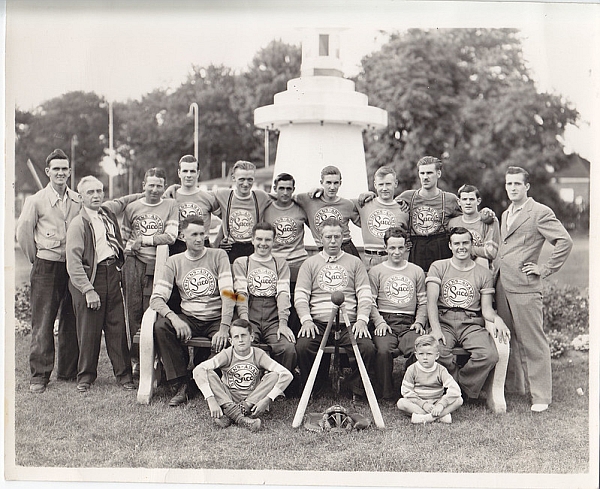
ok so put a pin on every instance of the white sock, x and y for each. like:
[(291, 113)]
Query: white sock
[(447, 418)]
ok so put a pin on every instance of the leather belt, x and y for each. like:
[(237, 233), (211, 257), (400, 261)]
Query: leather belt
[(376, 252), (107, 261)]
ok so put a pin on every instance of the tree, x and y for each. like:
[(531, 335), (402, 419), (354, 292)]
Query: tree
[(464, 95)]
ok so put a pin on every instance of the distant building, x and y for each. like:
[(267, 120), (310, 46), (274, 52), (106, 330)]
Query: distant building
[(573, 182)]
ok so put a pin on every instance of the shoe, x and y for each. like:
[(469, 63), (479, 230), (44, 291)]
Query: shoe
[(37, 388), (62, 378), (539, 408), (223, 422), (135, 369), (128, 386), (421, 418), (253, 424), (447, 419), (181, 397), (245, 408), (83, 387)]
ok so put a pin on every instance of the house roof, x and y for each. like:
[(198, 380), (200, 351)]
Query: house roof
[(578, 168)]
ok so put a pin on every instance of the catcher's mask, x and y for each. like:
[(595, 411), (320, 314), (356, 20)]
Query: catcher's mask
[(337, 419)]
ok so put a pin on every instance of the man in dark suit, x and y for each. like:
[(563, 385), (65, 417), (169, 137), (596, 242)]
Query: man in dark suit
[(94, 258), (526, 226)]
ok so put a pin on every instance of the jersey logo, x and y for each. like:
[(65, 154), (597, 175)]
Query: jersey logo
[(262, 282), (380, 221), (332, 277), (399, 289), (187, 209), (148, 225), (242, 376), (286, 230), (199, 282), (477, 239), (457, 292), (241, 222), (425, 220), (327, 212)]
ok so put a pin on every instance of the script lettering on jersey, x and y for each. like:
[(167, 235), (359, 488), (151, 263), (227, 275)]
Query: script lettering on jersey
[(325, 213), (286, 230), (399, 289), (241, 223), (148, 225), (380, 221), (242, 376), (426, 220), (199, 282), (332, 277), (262, 282), (458, 292)]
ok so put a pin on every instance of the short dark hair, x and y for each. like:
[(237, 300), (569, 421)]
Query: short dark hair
[(517, 170), (188, 159), (395, 232), (191, 220), (467, 189), (57, 154), (459, 230), (331, 221), (330, 170), (263, 226), (283, 177), (241, 323), (426, 340), (430, 160), (156, 172)]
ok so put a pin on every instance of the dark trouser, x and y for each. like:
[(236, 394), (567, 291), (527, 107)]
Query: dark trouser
[(240, 249), (173, 354), (263, 314), (110, 318), (49, 291), (347, 247), (467, 329), (307, 349), (401, 337), (137, 283), (427, 249)]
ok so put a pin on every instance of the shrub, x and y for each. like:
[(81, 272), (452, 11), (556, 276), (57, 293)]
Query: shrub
[(23, 309)]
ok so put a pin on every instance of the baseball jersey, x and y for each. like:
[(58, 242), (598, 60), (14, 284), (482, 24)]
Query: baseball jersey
[(420, 385), (320, 275), (460, 288), (199, 203), (240, 214), (262, 278), (486, 237), (289, 231), (429, 216), (317, 210), (399, 291), (201, 283), (157, 224), (241, 375), (376, 217)]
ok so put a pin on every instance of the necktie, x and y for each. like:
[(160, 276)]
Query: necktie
[(111, 237)]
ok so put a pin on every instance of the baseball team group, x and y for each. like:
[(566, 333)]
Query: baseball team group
[(436, 272)]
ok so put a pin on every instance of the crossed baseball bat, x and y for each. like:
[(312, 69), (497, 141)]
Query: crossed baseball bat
[(338, 304)]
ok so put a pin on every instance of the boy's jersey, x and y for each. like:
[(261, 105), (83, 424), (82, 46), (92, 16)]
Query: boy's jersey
[(241, 375), (486, 237), (159, 222), (201, 283), (436, 384), (429, 216), (240, 214), (320, 275), (317, 210), (460, 288), (199, 203), (376, 217), (289, 230), (400, 290)]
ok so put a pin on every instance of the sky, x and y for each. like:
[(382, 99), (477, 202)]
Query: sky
[(122, 50)]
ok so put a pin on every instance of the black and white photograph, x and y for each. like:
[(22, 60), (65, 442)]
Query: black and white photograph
[(300, 243)]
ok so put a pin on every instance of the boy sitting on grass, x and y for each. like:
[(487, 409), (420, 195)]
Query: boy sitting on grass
[(243, 392), (429, 391)]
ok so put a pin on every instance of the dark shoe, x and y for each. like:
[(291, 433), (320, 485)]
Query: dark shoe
[(223, 422), (128, 386), (181, 397), (62, 378), (253, 424), (83, 387), (37, 388), (245, 408)]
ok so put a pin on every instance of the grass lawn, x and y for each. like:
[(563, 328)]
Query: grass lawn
[(107, 428)]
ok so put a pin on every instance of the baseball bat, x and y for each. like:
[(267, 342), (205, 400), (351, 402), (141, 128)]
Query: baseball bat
[(364, 375), (312, 376), (34, 174)]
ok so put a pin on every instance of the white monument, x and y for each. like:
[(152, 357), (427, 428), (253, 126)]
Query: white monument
[(320, 118)]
